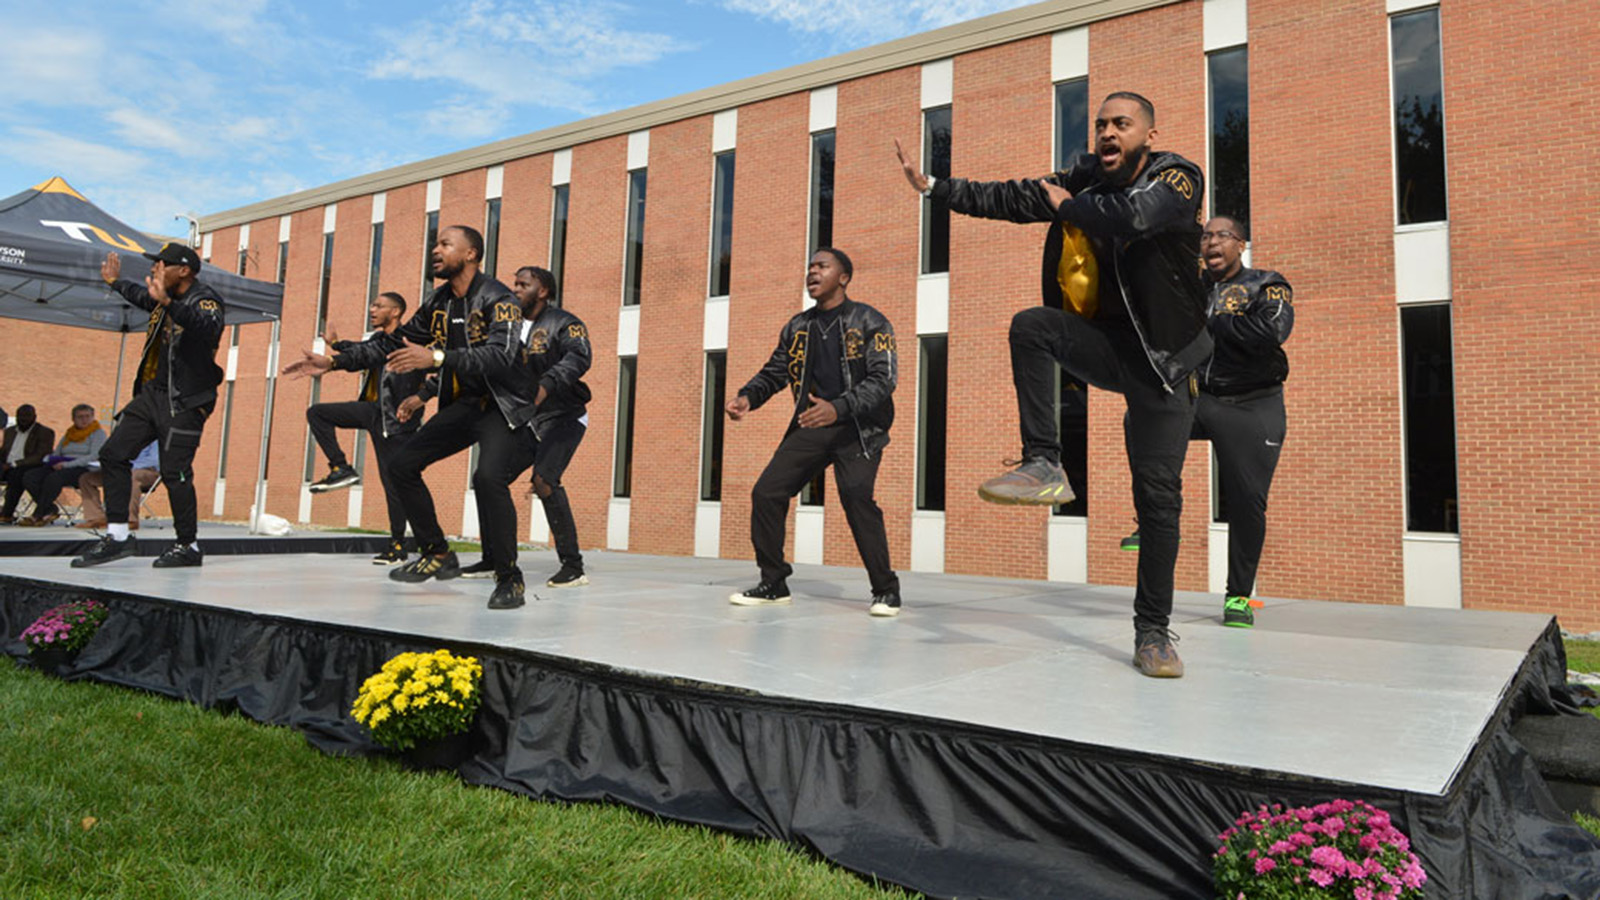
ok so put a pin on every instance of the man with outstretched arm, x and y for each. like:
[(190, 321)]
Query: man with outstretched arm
[(838, 359), (1123, 310), (174, 392)]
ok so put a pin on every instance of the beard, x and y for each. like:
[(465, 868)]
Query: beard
[(444, 271), (1132, 161)]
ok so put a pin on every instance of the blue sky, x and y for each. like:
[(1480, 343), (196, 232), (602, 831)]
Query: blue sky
[(158, 107)]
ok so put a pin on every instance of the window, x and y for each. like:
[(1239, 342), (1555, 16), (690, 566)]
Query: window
[(283, 260), (822, 147), (558, 235), (935, 214), (622, 471), (244, 257), (633, 262), (227, 426), (1072, 120), (1418, 117), (430, 236), (377, 262), (491, 236), (1072, 429), (933, 390), (310, 473), (711, 428), (722, 226), (1430, 419), (327, 283), (1228, 71), (815, 490)]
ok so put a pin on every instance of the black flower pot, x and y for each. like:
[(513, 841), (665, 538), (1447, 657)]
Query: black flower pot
[(52, 661), (444, 754)]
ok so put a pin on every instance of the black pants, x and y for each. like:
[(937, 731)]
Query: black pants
[(453, 429), (15, 485), (549, 454), (1155, 429), (326, 418), (803, 453), (1247, 433), (146, 418), (45, 484)]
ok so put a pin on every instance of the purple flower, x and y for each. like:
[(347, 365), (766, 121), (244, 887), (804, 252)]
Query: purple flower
[(1328, 857), (1322, 877), (1265, 864), (1279, 848)]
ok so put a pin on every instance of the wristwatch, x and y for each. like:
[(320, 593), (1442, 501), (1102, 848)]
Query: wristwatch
[(438, 358)]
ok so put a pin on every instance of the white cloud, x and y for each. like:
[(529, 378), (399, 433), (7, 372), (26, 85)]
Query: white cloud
[(868, 20), (70, 156), (145, 129), (57, 65)]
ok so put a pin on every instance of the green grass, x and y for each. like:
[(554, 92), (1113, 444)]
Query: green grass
[(1583, 656), (116, 794), (457, 546)]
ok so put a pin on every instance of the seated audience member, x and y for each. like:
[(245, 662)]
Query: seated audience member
[(26, 445), (79, 447), (146, 469)]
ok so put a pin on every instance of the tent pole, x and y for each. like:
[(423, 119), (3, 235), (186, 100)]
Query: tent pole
[(116, 389), (266, 430)]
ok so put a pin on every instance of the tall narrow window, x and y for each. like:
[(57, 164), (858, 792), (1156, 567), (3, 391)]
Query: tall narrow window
[(1072, 428), (1430, 418), (815, 491), (244, 257), (722, 226), (633, 263), (711, 428), (1418, 117), (933, 394), (822, 148), (558, 235), (283, 261), (491, 236), (1230, 132), (377, 262), (1072, 120), (227, 426), (310, 473), (326, 285), (622, 465), (935, 214), (430, 236)]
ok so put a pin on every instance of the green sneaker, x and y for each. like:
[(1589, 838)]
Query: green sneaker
[(1131, 542), (1236, 613)]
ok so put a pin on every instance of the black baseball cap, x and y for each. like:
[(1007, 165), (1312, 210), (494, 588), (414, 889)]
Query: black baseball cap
[(174, 254)]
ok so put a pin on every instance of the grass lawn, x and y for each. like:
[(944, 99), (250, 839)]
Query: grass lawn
[(116, 794), (1583, 656)]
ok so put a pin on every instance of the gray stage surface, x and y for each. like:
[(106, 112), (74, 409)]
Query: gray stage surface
[(1371, 695), (216, 538)]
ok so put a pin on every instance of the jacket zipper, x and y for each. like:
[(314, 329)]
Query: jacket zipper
[(1134, 318)]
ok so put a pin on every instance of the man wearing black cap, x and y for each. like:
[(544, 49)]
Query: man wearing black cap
[(174, 391)]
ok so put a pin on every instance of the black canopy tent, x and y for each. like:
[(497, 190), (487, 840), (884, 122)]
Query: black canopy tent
[(52, 242)]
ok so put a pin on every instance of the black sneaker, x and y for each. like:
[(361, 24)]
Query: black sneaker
[(442, 566), (1037, 482), (108, 550), (483, 568), (767, 593), (1154, 655), (1236, 613), (885, 605), (569, 576), (1131, 542), (179, 556), (340, 477), (393, 556), (509, 592)]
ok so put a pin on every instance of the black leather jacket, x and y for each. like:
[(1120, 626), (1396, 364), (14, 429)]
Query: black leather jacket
[(492, 352), (870, 365), (393, 387), (195, 321), (1250, 316), (556, 354), (1148, 231)]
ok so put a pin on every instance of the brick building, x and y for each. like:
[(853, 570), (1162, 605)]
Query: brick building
[(1384, 152)]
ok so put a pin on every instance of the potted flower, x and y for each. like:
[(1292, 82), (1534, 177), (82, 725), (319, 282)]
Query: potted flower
[(1341, 848), (54, 639), (421, 706)]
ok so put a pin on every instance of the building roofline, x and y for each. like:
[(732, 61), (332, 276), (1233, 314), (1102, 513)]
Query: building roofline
[(942, 43)]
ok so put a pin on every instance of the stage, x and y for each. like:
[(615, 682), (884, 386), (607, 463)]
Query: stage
[(993, 740), (216, 539)]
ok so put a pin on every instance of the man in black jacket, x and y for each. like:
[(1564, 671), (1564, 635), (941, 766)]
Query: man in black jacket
[(375, 410), (1123, 310), (467, 330), (1241, 398), (838, 359), (174, 392)]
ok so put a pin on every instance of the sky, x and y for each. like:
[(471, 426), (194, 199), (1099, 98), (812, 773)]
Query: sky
[(157, 108)]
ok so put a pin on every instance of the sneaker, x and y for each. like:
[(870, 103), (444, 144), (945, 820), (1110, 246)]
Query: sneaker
[(569, 576), (483, 568), (340, 477), (509, 592), (1131, 542), (108, 550), (395, 555), (767, 593), (1236, 613), (885, 605), (442, 566), (1154, 655), (1037, 482), (179, 556)]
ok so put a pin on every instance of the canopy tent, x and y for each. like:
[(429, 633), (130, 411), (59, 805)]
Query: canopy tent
[(52, 241)]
